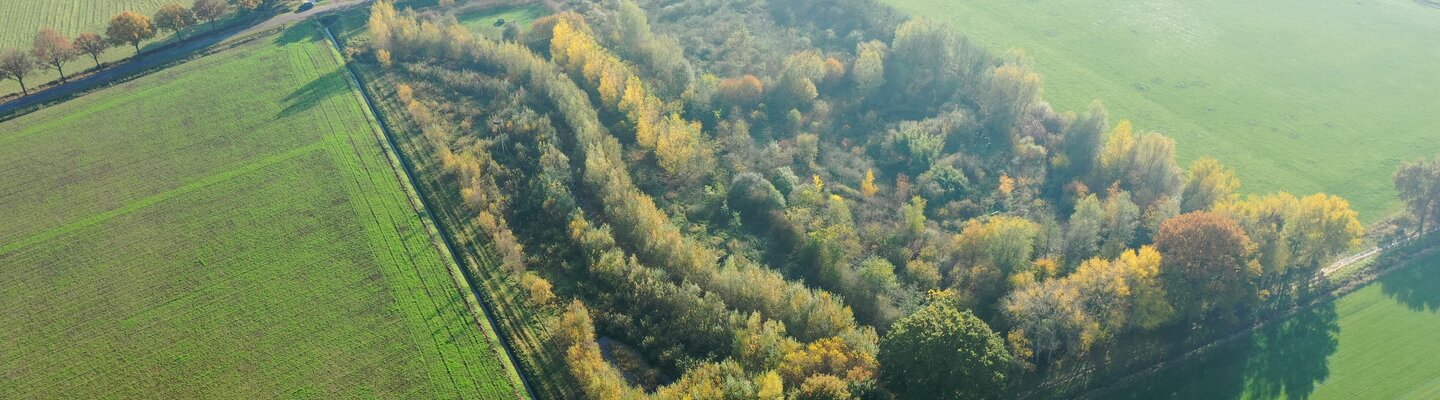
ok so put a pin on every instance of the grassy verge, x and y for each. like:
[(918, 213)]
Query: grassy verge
[(437, 237), (525, 328)]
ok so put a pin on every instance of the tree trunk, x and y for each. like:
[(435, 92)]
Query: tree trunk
[(23, 89), (97, 59), (61, 68), (1423, 214), (137, 47)]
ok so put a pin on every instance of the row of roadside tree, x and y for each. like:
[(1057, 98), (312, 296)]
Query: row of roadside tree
[(53, 50)]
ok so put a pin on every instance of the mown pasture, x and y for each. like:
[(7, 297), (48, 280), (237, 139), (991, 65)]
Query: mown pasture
[(483, 20), (1375, 343), (229, 227), (1296, 95), (21, 19)]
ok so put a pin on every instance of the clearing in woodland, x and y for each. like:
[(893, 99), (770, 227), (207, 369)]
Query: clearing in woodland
[(487, 20), (229, 227)]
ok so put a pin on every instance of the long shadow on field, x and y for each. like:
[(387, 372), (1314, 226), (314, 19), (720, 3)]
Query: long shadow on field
[(313, 93), (1290, 358), (1416, 286), (1284, 360), (298, 35)]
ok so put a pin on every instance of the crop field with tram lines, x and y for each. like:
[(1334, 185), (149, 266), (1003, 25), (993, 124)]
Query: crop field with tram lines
[(190, 241)]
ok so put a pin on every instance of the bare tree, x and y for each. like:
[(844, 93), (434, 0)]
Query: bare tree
[(16, 64), (1418, 184), (54, 49), (208, 10)]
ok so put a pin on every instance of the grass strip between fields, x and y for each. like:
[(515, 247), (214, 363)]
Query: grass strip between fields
[(481, 317)]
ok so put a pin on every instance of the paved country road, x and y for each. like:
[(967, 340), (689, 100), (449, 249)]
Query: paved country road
[(150, 60)]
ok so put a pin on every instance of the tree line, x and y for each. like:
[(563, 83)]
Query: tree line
[(52, 49)]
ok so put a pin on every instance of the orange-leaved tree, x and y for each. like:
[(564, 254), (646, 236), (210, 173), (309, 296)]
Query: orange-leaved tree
[(54, 49), (92, 44), (1206, 270), (130, 28)]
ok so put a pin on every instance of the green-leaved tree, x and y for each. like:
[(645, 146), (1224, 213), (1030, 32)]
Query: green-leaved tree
[(942, 352)]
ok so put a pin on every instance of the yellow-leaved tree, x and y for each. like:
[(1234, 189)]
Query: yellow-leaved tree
[(679, 145), (867, 187), (1209, 183)]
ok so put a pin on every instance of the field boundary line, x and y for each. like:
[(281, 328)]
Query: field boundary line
[(365, 186), (440, 239), (159, 197)]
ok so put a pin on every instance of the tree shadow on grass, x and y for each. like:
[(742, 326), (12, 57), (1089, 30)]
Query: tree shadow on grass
[(1416, 286), (1219, 374), (313, 93), (1283, 360), (297, 34), (1290, 358)]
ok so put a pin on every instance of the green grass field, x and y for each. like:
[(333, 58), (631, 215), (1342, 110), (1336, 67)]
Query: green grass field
[(21, 19), (229, 227), (484, 21), (1376, 343), (1296, 95)]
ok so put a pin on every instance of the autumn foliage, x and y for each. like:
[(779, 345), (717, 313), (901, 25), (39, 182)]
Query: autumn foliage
[(130, 28), (679, 145), (763, 218), (1207, 270), (746, 91)]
